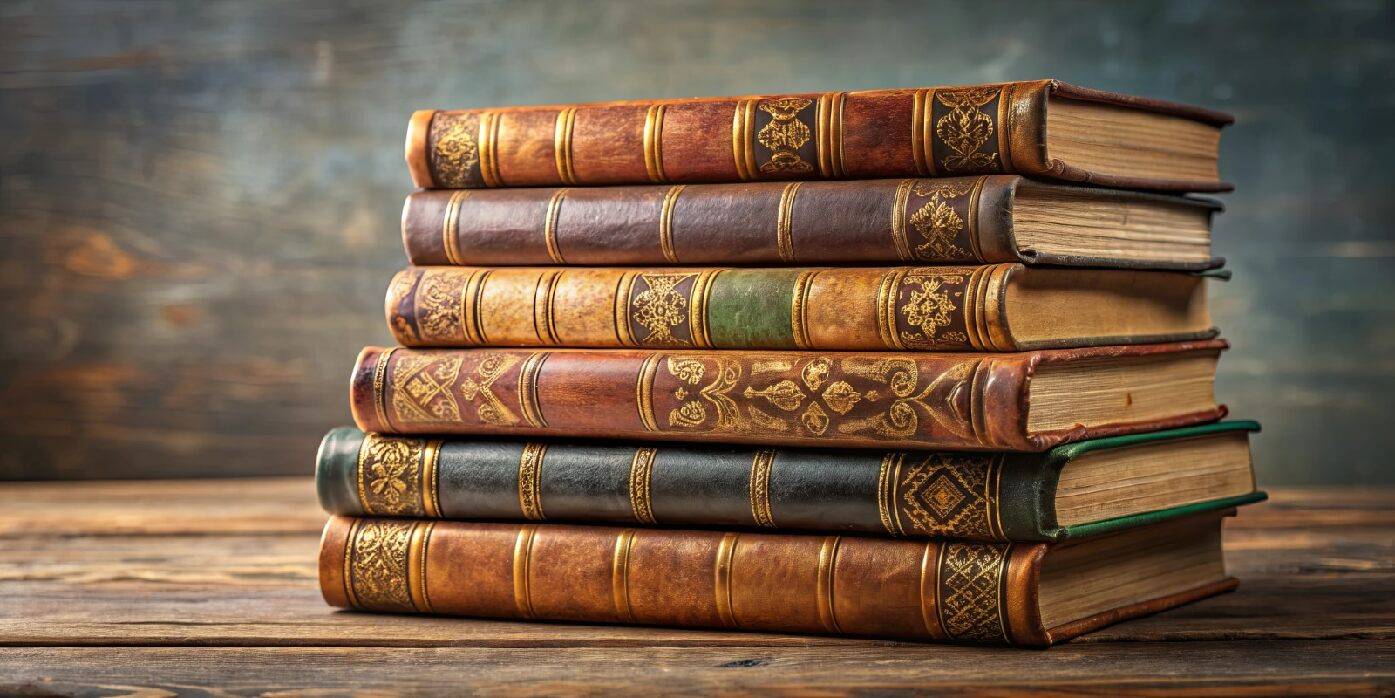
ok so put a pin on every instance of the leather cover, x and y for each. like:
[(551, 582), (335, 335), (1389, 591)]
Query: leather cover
[(925, 590), (927, 132), (951, 220), (966, 496), (841, 309), (889, 400)]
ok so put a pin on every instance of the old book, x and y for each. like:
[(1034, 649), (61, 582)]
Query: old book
[(1044, 129), (952, 220), (1081, 489), (1026, 401), (1032, 594), (1002, 307)]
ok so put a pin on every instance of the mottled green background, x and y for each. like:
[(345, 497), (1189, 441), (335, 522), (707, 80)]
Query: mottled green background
[(199, 201)]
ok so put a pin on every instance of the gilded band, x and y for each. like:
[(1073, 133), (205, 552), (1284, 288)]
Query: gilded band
[(544, 316), (380, 389), (416, 565), (349, 563), (784, 239), (666, 223), (654, 143), (470, 295), (554, 210), (562, 145), (918, 107), (430, 490), (887, 477), (697, 308), (530, 481), (742, 131), (450, 228), (726, 552), (644, 390), (799, 305), (829, 129), (528, 389), (886, 309), (522, 552), (489, 149), (623, 288), (828, 560), (1004, 116), (898, 220), (929, 585), (620, 575), (759, 488), (972, 223), (641, 484)]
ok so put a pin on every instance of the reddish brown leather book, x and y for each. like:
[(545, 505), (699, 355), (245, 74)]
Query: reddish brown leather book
[(949, 220), (1044, 129), (1025, 401), (992, 593), (1000, 307)]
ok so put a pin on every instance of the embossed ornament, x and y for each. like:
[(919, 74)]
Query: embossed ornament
[(457, 151), (784, 136), (378, 569), (938, 223), (661, 308), (965, 129)]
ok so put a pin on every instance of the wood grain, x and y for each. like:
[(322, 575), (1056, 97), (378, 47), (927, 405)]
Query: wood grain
[(192, 586)]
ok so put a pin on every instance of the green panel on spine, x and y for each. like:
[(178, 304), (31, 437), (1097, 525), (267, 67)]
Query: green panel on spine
[(748, 307)]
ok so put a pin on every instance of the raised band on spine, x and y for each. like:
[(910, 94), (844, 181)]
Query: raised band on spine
[(784, 238), (489, 149), (562, 145), (828, 560), (528, 389), (653, 143), (623, 288), (641, 484), (450, 227), (644, 391), (380, 389), (726, 552), (522, 558), (416, 565), (799, 306), (918, 109), (530, 481), (620, 575), (759, 488), (898, 220), (554, 211), (666, 223)]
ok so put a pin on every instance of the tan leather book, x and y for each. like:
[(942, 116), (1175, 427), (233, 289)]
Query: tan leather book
[(1031, 594), (1022, 401), (1001, 307), (949, 220), (1043, 128)]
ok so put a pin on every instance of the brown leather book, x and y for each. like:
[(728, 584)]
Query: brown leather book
[(1043, 128), (1002, 307), (1025, 401), (950, 220), (1032, 594)]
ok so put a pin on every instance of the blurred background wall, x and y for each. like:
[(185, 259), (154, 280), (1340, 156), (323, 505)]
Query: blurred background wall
[(199, 201)]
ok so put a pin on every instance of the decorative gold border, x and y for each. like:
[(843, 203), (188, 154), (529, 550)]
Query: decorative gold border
[(380, 389), (898, 219), (666, 223), (1001, 553), (562, 144), (641, 484), (644, 391), (784, 240), (544, 296), (528, 389), (726, 552), (697, 308), (489, 149), (828, 558), (530, 481), (554, 211), (799, 304), (522, 552), (450, 227), (654, 143), (758, 490), (620, 575)]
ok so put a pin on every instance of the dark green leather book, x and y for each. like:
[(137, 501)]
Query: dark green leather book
[(1079, 489)]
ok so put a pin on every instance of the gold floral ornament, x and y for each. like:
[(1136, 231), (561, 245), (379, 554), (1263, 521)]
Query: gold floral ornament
[(784, 136), (938, 223), (438, 306), (929, 309), (422, 389), (661, 308), (966, 128), (390, 470), (457, 151), (378, 565), (947, 495)]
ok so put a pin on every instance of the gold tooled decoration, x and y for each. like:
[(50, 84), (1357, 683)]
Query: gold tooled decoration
[(390, 475), (641, 476), (929, 308), (938, 223), (970, 591), (530, 481), (966, 128), (456, 150), (424, 388), (950, 495), (784, 135), (439, 305), (660, 308), (379, 561), (761, 465)]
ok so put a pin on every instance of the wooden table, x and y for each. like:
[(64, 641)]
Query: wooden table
[(190, 586)]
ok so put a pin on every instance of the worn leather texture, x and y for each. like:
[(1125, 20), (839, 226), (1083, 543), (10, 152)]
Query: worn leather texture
[(844, 585), (880, 399), (839, 309), (950, 220), (926, 132), (968, 496)]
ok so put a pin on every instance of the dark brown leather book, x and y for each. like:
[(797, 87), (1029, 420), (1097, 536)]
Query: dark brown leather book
[(1080, 489), (1030, 594), (1001, 307), (1043, 128), (1025, 401), (952, 220)]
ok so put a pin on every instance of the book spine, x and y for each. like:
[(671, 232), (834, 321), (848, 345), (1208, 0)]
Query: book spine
[(954, 220), (842, 585), (930, 132), (893, 400), (841, 309), (968, 496)]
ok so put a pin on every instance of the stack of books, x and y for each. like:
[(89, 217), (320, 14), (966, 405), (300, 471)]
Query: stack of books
[(927, 363)]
